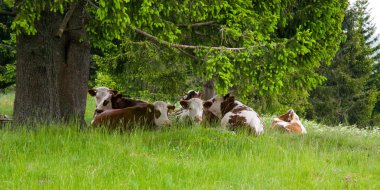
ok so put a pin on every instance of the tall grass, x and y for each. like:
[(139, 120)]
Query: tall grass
[(188, 157)]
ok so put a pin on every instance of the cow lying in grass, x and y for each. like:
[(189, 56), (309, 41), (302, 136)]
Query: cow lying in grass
[(234, 114), (109, 99), (288, 122), (150, 115), (192, 108), (100, 93)]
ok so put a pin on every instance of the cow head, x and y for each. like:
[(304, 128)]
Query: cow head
[(100, 93), (191, 94), (161, 110), (214, 105), (103, 97), (194, 106), (289, 116)]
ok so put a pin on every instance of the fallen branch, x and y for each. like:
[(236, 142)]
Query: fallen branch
[(65, 20)]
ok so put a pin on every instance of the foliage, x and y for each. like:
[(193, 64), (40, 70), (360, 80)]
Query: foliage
[(283, 43), (7, 48), (347, 96), (145, 70), (278, 45)]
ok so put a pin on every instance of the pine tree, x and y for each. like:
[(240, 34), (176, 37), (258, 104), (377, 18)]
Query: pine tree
[(348, 96)]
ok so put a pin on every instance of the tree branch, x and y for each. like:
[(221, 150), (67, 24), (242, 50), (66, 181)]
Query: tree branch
[(155, 39), (7, 13), (197, 24), (65, 20), (187, 54)]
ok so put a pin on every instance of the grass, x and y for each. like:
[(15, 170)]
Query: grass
[(186, 157), (6, 103)]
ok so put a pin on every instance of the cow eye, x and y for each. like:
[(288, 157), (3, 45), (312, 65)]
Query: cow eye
[(105, 102)]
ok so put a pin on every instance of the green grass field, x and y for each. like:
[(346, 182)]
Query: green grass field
[(187, 157)]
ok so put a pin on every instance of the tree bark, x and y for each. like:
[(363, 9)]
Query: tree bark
[(209, 89), (52, 73)]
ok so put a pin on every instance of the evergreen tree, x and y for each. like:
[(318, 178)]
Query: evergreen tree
[(348, 96)]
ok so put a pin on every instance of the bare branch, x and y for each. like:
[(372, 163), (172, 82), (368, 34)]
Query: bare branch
[(197, 24), (155, 39), (65, 20)]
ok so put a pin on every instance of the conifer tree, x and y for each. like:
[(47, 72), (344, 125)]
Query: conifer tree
[(348, 96)]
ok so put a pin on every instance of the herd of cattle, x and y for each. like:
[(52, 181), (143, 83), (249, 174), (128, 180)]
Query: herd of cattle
[(114, 111)]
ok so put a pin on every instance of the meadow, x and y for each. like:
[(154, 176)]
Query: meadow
[(58, 156)]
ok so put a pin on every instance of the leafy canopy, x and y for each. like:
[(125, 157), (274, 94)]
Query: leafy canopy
[(281, 42)]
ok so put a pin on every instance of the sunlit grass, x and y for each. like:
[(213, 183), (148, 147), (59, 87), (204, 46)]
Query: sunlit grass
[(188, 157), (6, 103)]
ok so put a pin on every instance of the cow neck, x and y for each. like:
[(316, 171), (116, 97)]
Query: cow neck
[(226, 107)]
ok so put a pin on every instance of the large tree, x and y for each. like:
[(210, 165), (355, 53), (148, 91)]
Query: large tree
[(265, 47), (276, 48), (348, 96)]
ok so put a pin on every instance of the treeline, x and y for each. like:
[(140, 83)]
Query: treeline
[(319, 58)]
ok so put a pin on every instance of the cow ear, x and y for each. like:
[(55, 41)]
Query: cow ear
[(184, 103), (171, 108), (207, 104), (119, 96), (226, 96), (92, 92)]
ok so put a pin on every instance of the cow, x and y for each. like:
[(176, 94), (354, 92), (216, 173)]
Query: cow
[(191, 94), (116, 101), (192, 109), (155, 114), (234, 114), (100, 93), (288, 122)]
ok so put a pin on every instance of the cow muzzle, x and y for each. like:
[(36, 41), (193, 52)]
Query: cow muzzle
[(198, 119)]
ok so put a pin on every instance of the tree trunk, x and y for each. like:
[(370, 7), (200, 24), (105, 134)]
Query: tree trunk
[(209, 89), (52, 73)]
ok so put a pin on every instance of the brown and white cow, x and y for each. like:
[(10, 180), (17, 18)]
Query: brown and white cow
[(155, 114), (191, 94), (192, 109), (235, 114), (116, 101), (101, 93), (288, 122)]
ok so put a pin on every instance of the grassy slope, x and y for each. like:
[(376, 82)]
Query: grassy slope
[(185, 157)]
